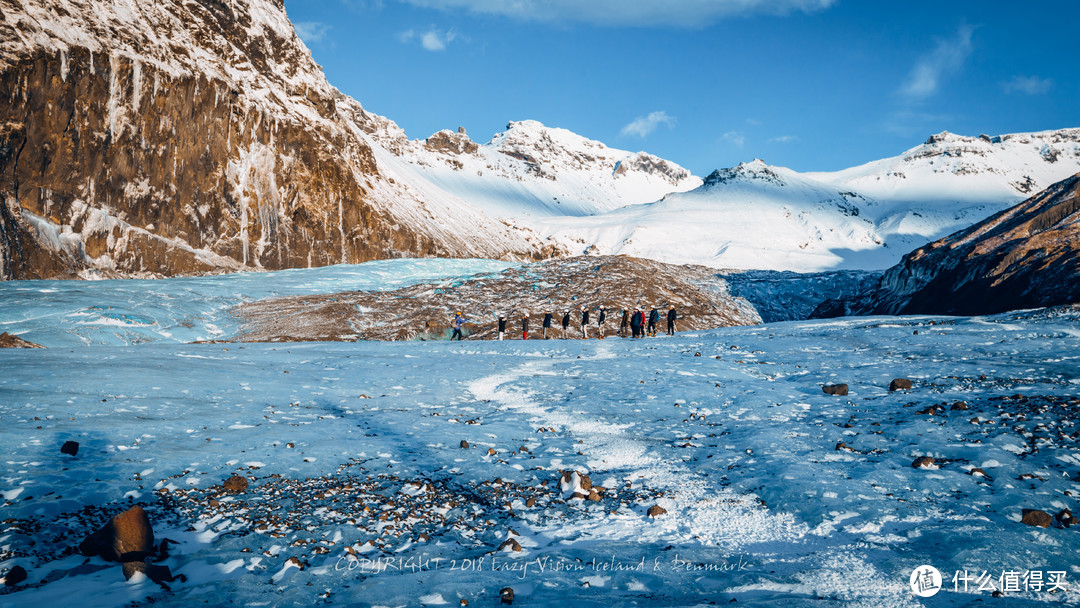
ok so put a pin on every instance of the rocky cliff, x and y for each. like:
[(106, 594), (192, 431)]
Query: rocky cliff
[(1025, 257), (188, 136)]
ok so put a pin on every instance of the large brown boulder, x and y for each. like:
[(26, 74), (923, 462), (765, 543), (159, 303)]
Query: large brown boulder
[(128, 537), (1037, 518)]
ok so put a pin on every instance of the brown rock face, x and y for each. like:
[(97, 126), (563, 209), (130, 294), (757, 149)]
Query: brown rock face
[(1025, 257), (127, 537), (223, 149)]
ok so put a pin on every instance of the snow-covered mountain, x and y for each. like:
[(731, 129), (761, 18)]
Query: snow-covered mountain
[(764, 217), (191, 136), (1025, 257)]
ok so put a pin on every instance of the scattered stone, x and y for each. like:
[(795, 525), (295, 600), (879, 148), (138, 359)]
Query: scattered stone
[(463, 602), (127, 537), (843, 447), (923, 462), (584, 482), (491, 451), (835, 389), (70, 447), (578, 496), (464, 444), (296, 562), (593, 496), (959, 406), (977, 472), (514, 545), (236, 484), (656, 511), (697, 354), (11, 341), (1037, 518), (15, 576), (507, 595), (900, 384), (1066, 519), (531, 502), (290, 445)]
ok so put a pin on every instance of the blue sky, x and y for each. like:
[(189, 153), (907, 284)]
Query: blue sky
[(813, 85)]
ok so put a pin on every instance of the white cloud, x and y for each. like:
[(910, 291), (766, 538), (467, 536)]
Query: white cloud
[(433, 40), (1032, 85), (311, 32), (945, 60), (736, 138), (784, 139), (642, 126), (679, 13)]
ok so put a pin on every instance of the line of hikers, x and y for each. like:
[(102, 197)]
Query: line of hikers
[(632, 322)]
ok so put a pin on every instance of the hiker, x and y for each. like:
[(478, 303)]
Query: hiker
[(600, 322), (502, 326), (459, 320), (636, 321), (584, 322), (654, 316), (547, 323), (525, 327), (671, 316), (565, 323), (624, 324)]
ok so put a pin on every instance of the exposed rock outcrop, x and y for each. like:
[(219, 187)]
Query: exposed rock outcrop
[(1025, 257), (424, 311), (190, 137)]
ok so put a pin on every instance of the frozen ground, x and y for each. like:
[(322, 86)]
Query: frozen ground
[(737, 444)]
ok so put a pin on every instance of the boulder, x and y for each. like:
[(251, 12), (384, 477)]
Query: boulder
[(1037, 518), (839, 390), (507, 595), (15, 576), (656, 511), (127, 537), (900, 384), (923, 462), (959, 406), (464, 444), (70, 447), (1066, 519), (236, 484), (11, 341), (512, 544)]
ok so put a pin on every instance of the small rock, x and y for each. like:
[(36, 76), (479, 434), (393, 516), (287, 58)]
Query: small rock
[(593, 496), (70, 447), (507, 595), (464, 444), (531, 502), (584, 482), (514, 545), (15, 576), (656, 511), (959, 406), (923, 462), (835, 389), (697, 354), (463, 602), (290, 445), (1066, 519), (900, 384), (1035, 517), (491, 451), (236, 484), (843, 447), (578, 496), (977, 472), (214, 503)]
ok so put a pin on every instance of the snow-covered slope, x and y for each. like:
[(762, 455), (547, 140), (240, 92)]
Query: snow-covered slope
[(534, 170), (757, 216)]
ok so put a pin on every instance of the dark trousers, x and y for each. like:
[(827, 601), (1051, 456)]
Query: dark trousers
[(671, 328), (456, 334), (636, 329)]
